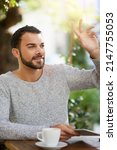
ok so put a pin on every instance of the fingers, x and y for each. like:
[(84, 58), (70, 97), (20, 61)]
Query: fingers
[(80, 26), (65, 136), (78, 30), (92, 34), (66, 131), (89, 28)]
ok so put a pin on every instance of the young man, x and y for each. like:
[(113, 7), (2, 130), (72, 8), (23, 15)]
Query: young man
[(36, 95)]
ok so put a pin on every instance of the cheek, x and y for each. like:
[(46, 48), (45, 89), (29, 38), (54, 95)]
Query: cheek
[(44, 53), (27, 55)]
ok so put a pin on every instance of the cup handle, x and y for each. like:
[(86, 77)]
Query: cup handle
[(38, 136)]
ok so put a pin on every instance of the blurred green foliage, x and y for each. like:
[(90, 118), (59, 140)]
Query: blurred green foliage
[(84, 108), (5, 5), (84, 105)]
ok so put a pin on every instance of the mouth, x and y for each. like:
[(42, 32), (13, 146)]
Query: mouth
[(39, 59)]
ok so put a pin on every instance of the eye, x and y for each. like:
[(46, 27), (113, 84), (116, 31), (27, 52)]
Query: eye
[(31, 46), (42, 45)]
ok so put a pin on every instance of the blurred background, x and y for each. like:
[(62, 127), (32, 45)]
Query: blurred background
[(55, 19)]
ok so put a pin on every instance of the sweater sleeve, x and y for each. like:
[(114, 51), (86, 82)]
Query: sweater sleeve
[(8, 129), (14, 131), (83, 79)]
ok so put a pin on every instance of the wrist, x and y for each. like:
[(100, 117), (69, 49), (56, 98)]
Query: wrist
[(95, 54)]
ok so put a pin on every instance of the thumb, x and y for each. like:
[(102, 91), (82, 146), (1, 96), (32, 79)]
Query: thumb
[(76, 31)]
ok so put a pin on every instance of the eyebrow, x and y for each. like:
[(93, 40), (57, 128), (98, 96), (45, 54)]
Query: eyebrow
[(34, 44), (30, 44)]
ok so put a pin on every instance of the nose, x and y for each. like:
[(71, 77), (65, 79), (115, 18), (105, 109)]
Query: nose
[(39, 50)]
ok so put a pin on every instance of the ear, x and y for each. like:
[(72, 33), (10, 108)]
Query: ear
[(15, 52)]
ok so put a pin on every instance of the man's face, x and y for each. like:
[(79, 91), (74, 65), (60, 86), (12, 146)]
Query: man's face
[(32, 53)]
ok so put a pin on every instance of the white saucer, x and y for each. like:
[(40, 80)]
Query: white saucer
[(59, 146)]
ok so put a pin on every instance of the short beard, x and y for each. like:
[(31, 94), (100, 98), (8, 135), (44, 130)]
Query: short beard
[(30, 63)]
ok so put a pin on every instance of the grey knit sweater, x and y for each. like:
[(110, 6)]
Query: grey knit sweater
[(27, 107)]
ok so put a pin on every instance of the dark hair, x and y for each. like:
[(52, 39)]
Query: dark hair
[(16, 37)]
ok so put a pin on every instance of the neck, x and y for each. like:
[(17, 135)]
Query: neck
[(28, 74)]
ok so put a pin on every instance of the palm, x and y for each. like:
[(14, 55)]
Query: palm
[(87, 38), (88, 41)]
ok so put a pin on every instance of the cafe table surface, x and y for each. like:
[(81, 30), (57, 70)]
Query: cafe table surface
[(75, 143)]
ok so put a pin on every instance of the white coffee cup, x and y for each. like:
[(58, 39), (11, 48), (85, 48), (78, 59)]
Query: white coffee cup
[(50, 136)]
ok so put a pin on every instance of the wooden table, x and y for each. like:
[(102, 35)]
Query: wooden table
[(30, 145)]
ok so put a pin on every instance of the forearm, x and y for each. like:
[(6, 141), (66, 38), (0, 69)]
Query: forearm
[(16, 131), (97, 72)]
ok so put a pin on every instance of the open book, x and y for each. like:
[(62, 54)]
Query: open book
[(88, 136)]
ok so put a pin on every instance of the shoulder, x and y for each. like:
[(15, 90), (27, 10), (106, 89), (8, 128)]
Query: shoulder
[(4, 78), (57, 67), (5, 75), (54, 67), (55, 70), (60, 71), (61, 68)]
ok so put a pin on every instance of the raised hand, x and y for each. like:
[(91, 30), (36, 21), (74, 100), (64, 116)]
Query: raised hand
[(88, 40)]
